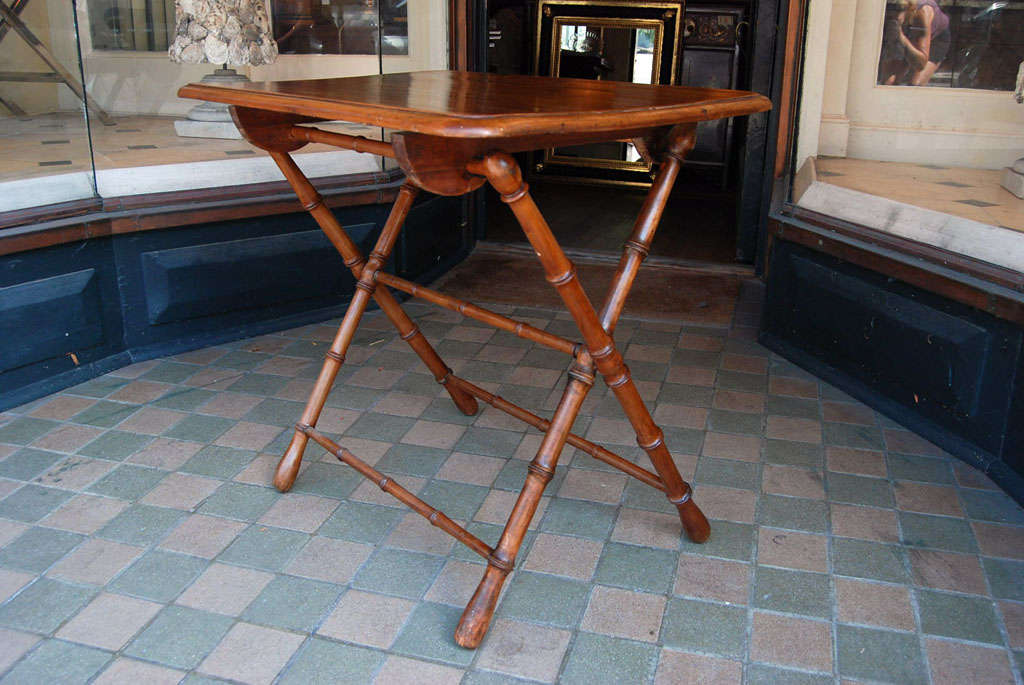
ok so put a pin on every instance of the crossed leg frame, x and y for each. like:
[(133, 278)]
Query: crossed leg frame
[(596, 355)]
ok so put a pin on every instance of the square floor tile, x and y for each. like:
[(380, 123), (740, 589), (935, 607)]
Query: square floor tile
[(705, 627), (109, 621), (56, 661), (540, 598), (792, 642), (321, 661), (636, 568), (524, 650), (938, 532), (26, 464), (360, 522), (367, 618), (224, 589), (414, 460), (202, 536), (127, 482), (116, 444), (32, 502), (792, 550), (251, 654), (262, 547), (863, 559), (293, 603), (44, 605), (958, 616), (428, 633), (795, 592), (180, 637), (142, 525), (564, 556), (215, 461), (953, 662), (159, 576), (948, 571), (622, 613), (601, 659), (869, 654), (95, 562), (124, 670), (874, 603), (794, 513), (398, 572), (37, 549), (728, 539)]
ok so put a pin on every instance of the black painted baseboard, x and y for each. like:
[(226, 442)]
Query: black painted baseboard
[(949, 372), (72, 312)]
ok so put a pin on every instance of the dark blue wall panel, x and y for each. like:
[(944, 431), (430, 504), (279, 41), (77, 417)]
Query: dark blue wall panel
[(71, 312)]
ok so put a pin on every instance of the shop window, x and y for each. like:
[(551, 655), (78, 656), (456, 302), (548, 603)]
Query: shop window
[(931, 164), (131, 25)]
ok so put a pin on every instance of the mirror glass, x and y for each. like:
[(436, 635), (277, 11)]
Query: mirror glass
[(605, 50)]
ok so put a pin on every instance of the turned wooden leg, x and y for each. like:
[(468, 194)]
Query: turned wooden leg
[(288, 468), (504, 175), (477, 616)]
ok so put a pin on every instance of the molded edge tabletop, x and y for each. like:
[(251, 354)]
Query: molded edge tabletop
[(460, 104)]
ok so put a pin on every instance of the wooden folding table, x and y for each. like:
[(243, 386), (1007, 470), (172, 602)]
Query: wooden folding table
[(456, 131)]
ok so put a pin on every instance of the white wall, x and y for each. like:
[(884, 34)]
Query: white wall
[(953, 127)]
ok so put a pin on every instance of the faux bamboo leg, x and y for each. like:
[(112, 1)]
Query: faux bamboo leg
[(288, 468), (504, 174), (477, 615), (312, 202)]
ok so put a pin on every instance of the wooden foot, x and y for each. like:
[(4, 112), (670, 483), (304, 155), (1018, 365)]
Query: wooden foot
[(288, 467), (476, 618), (694, 522)]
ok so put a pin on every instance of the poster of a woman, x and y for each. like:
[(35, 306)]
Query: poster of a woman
[(915, 41)]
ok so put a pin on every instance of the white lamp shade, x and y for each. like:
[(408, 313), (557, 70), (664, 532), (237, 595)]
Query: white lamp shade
[(233, 32)]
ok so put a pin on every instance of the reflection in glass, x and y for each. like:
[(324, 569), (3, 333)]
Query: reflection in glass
[(609, 50), (44, 143), (960, 44), (341, 27), (128, 25)]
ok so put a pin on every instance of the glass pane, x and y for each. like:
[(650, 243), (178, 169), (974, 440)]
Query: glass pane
[(958, 44), (938, 164), (136, 56), (44, 142)]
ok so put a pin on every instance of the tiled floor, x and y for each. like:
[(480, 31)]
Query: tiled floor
[(141, 542), (969, 193)]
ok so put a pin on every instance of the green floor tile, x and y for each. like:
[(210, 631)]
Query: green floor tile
[(56, 661), (880, 655), (293, 603), (577, 517), (683, 440), (728, 472), (24, 430), (637, 568), (32, 502), (239, 501), (457, 500), (361, 522), (141, 524), (218, 462), (642, 496), (98, 387), (863, 559), (116, 445), (170, 372), (259, 384), (542, 598), (37, 549), (242, 360), (159, 576), (597, 659), (1006, 578), (794, 513), (105, 414), (128, 482), (428, 633), (706, 358), (958, 616), (705, 627), (398, 572), (199, 428), (271, 412), (443, 410), (44, 605), (791, 453), (180, 637), (990, 506), (413, 459), (489, 442), (762, 674), (746, 382), (728, 539), (780, 405), (939, 532), (796, 592), (690, 395), (873, 492), (927, 469), (485, 372), (184, 400), (723, 421), (383, 427), (852, 435), (264, 548), (27, 463), (328, 479), (320, 662)]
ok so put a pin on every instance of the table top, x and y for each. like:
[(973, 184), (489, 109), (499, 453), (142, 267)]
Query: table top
[(462, 104)]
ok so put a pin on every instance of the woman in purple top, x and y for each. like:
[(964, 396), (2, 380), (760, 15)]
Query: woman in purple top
[(926, 45)]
